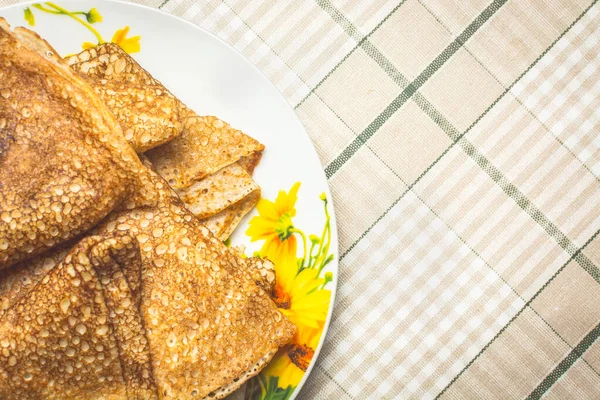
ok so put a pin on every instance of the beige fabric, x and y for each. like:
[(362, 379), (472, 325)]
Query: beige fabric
[(461, 142)]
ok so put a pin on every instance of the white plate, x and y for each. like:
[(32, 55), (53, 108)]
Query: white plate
[(213, 79)]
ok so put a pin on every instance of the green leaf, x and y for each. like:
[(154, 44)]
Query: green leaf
[(255, 388), (327, 261), (29, 16), (274, 392)]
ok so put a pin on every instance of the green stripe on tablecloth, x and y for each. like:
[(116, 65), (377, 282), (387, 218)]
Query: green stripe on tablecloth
[(527, 205), (573, 257), (327, 6), (565, 364), (163, 3), (340, 18), (517, 99), (466, 131), (406, 94)]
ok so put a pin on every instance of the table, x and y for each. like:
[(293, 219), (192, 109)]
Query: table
[(461, 140)]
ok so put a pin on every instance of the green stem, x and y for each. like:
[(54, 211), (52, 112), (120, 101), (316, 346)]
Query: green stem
[(326, 251), (76, 18), (310, 255), (328, 230), (324, 245), (293, 230), (318, 256), (41, 8)]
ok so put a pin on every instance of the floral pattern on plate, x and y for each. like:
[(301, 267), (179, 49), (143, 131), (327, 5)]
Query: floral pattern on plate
[(300, 289), (86, 19)]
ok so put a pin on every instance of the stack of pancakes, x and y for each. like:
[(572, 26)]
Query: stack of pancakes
[(115, 199)]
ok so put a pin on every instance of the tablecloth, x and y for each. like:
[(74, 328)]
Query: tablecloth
[(461, 140)]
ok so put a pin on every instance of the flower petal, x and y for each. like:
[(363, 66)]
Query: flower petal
[(281, 366), (267, 209), (260, 228), (286, 202)]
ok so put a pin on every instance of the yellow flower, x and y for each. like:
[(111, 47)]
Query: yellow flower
[(291, 362), (299, 296), (274, 225), (130, 45)]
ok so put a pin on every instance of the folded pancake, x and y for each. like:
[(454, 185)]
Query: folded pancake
[(77, 334), (224, 223), (206, 145), (209, 164), (222, 199), (64, 164), (218, 191), (147, 111), (209, 324), (20, 278), (174, 312), (151, 116)]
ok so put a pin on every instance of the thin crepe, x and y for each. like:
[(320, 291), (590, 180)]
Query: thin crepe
[(222, 199), (64, 164), (206, 145), (209, 165), (147, 111), (176, 313), (77, 334), (194, 147), (210, 322)]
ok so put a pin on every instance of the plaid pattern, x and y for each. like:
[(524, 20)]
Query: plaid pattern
[(462, 145)]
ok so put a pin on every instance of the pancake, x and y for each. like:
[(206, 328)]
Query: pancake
[(210, 165), (218, 191), (189, 317), (209, 324), (19, 279), (64, 164), (206, 145), (222, 199), (75, 334), (147, 111), (224, 223)]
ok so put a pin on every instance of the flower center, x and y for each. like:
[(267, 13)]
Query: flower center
[(301, 355), (284, 226), (281, 298)]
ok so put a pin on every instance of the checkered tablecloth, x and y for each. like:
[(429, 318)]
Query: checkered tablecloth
[(461, 140)]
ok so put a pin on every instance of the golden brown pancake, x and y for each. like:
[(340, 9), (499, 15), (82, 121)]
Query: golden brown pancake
[(206, 145), (20, 278), (151, 115), (222, 198), (210, 322), (77, 334), (147, 111), (64, 164), (224, 223), (209, 165), (176, 313), (218, 191)]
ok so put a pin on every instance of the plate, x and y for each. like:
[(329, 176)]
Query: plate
[(296, 225)]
